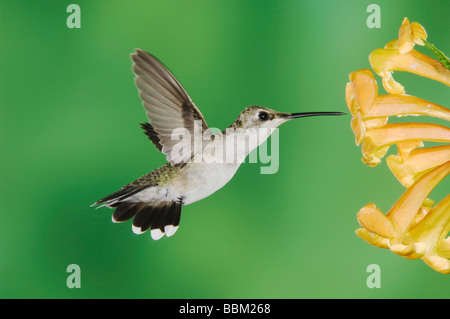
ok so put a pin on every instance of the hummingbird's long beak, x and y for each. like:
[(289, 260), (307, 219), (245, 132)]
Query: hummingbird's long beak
[(290, 116)]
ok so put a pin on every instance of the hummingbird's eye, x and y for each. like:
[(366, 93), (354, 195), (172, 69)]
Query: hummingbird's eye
[(263, 116)]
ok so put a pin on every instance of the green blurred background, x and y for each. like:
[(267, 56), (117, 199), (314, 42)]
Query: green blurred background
[(69, 135)]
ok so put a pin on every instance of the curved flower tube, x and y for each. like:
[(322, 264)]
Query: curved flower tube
[(402, 105), (399, 55), (377, 141), (408, 170), (385, 61)]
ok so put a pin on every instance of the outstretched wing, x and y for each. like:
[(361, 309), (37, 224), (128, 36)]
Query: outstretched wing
[(168, 107)]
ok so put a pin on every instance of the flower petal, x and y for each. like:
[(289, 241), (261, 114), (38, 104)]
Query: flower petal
[(392, 44), (372, 219), (443, 248), (372, 239), (350, 99), (405, 37), (409, 35), (423, 211), (405, 148), (375, 123), (419, 33), (407, 251), (358, 128), (365, 89), (438, 263)]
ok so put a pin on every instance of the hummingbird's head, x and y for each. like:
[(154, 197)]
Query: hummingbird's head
[(261, 117)]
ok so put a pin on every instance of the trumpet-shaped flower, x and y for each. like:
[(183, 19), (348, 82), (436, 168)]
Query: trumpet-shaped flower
[(399, 55), (401, 105), (385, 61), (377, 141), (419, 161)]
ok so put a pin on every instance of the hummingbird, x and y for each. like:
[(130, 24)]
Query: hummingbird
[(154, 201)]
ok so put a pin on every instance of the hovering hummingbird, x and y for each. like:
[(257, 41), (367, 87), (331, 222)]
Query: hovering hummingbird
[(154, 200)]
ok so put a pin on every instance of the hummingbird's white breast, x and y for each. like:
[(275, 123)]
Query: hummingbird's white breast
[(197, 181), (220, 160)]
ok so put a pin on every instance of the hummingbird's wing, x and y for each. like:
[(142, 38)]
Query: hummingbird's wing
[(168, 107)]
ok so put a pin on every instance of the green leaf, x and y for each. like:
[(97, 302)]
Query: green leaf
[(439, 54)]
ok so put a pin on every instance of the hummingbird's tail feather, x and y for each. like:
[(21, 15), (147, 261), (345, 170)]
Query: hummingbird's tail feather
[(160, 217), (116, 198), (149, 180)]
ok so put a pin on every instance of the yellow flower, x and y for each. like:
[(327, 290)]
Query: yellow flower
[(399, 55), (400, 105), (408, 169), (415, 227), (377, 141), (385, 61)]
